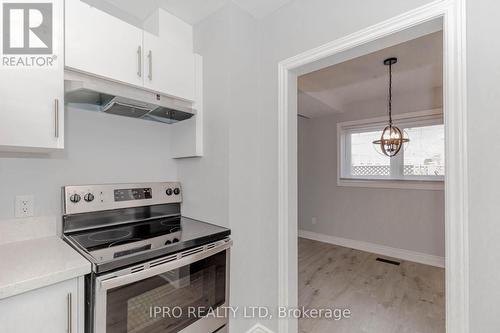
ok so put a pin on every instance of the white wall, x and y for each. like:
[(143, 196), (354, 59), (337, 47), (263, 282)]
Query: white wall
[(100, 148), (484, 163), (415, 222), (208, 177), (224, 183)]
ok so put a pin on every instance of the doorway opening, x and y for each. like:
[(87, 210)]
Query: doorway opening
[(371, 226), (439, 15)]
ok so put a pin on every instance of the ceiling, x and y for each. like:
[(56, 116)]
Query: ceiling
[(363, 82), (191, 11)]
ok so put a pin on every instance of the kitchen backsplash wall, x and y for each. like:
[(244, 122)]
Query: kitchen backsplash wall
[(100, 148)]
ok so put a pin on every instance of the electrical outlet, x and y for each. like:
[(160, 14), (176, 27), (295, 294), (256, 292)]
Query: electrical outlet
[(314, 220), (25, 205)]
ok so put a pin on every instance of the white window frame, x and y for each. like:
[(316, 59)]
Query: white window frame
[(405, 120)]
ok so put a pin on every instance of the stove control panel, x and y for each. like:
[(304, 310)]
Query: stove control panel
[(133, 194), (90, 198)]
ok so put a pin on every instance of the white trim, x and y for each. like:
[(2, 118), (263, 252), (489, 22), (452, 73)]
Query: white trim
[(429, 185), (407, 117), (456, 182), (259, 328), (418, 257)]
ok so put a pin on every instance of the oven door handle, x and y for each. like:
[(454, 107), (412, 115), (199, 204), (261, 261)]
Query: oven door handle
[(122, 280)]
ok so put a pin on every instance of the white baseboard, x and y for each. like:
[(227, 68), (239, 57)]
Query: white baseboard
[(258, 328), (421, 258)]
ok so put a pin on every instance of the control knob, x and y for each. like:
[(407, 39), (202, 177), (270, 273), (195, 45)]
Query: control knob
[(175, 240), (74, 198), (89, 197), (168, 242), (177, 191), (169, 191)]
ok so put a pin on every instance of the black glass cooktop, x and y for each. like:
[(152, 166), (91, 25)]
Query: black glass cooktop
[(120, 235), (122, 245)]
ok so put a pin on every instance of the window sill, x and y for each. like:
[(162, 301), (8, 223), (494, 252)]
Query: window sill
[(433, 185)]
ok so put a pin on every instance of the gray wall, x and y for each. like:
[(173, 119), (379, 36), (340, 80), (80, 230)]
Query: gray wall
[(224, 183), (207, 177), (483, 52), (415, 222), (99, 148)]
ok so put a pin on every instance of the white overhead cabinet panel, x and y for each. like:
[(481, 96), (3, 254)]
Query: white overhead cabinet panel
[(54, 309), (187, 135), (168, 69), (32, 76), (103, 45)]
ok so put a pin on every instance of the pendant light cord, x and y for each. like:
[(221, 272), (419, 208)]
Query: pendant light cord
[(390, 94)]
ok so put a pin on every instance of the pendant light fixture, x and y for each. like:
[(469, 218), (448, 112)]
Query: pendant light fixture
[(392, 138)]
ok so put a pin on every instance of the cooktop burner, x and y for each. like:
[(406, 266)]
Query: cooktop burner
[(109, 235), (122, 242), (123, 234)]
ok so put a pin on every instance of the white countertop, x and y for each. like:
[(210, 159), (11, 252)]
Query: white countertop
[(31, 264)]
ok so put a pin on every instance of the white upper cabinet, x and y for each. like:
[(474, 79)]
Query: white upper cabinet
[(103, 45), (32, 77), (168, 69)]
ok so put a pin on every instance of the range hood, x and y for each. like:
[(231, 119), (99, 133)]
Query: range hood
[(120, 99)]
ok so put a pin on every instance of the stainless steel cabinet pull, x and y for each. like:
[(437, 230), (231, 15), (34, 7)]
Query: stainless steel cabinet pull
[(150, 56), (56, 117), (70, 313), (139, 60)]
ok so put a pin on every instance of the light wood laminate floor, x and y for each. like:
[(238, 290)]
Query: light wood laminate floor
[(383, 298)]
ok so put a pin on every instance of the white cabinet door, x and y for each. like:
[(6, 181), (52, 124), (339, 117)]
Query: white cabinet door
[(32, 77), (101, 44), (168, 69), (53, 309)]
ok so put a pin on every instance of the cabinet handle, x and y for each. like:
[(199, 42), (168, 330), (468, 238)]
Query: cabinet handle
[(150, 56), (139, 61), (70, 313), (56, 117)]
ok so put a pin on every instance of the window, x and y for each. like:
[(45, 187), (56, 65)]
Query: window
[(422, 161)]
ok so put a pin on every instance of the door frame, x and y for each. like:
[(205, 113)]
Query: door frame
[(452, 14)]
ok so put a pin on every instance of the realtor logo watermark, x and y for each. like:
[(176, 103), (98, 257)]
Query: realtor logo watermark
[(28, 33)]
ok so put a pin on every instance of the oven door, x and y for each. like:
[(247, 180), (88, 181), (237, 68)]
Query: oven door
[(167, 295)]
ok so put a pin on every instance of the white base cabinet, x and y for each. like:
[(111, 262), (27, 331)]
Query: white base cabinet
[(58, 308)]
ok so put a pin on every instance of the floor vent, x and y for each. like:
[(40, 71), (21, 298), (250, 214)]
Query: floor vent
[(387, 261)]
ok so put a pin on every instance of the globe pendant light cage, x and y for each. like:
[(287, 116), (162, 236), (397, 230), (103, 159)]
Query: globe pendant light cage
[(393, 139)]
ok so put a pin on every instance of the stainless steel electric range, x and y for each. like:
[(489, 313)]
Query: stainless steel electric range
[(153, 270)]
